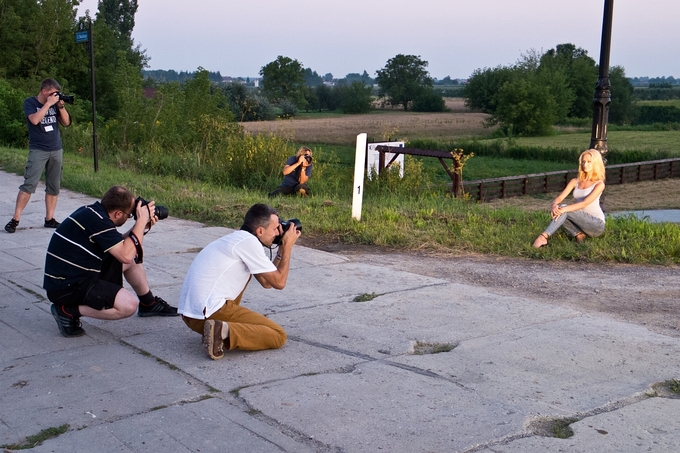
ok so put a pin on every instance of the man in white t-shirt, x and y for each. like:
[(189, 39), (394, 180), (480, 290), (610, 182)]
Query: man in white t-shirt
[(214, 285)]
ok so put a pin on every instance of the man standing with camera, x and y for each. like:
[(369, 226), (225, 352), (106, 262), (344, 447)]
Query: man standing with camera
[(214, 285), (87, 258), (44, 113), (296, 173)]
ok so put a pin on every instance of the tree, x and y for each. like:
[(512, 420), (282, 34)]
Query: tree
[(483, 85), (429, 101), (356, 98), (581, 73), (113, 43), (312, 79), (621, 108), (284, 78), (329, 98), (403, 79), (36, 41), (12, 123), (527, 98)]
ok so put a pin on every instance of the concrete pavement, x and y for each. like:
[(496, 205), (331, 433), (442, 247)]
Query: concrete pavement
[(348, 380)]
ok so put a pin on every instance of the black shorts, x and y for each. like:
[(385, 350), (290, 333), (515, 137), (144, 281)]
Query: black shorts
[(97, 292)]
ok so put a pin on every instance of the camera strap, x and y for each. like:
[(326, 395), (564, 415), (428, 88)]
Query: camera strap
[(140, 251)]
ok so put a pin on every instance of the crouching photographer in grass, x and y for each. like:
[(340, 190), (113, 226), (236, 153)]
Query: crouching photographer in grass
[(296, 173), (87, 258), (210, 300)]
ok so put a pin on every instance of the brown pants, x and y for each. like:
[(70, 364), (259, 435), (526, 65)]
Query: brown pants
[(248, 330)]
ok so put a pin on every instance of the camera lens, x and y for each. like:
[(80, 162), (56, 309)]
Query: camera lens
[(161, 212), (285, 225), (69, 99)]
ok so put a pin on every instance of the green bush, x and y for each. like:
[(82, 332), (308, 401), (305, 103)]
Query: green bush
[(288, 108), (13, 130), (246, 105), (355, 98), (428, 101), (650, 114)]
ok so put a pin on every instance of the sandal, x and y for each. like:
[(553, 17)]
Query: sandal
[(542, 235)]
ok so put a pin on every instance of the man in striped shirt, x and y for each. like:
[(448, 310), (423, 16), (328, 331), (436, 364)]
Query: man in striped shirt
[(87, 258)]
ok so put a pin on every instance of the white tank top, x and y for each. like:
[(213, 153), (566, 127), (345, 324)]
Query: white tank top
[(593, 208)]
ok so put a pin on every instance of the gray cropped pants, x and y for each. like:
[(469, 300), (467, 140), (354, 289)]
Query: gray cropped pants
[(576, 222)]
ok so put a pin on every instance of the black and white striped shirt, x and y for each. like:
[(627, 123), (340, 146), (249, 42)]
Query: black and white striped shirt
[(78, 247)]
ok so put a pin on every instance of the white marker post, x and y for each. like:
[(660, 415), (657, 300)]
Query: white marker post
[(358, 187)]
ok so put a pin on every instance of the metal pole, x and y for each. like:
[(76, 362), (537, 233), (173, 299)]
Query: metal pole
[(603, 94), (95, 152)]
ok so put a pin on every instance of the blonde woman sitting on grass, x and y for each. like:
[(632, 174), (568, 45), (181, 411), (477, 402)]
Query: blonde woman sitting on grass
[(584, 217)]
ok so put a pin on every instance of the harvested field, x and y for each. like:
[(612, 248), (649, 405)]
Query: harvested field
[(379, 125)]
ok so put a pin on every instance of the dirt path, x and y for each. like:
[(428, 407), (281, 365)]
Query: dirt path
[(644, 295)]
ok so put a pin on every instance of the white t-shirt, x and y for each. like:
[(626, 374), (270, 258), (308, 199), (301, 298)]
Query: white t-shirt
[(220, 272)]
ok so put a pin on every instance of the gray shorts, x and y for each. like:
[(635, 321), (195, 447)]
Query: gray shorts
[(51, 162)]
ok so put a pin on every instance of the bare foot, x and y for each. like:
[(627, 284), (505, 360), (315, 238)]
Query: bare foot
[(580, 237), (541, 240)]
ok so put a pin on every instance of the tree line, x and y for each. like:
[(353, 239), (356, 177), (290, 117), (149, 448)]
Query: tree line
[(542, 90), (37, 41)]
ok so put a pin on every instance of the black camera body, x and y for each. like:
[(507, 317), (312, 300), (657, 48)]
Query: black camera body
[(67, 98), (285, 225), (159, 211), (308, 158)]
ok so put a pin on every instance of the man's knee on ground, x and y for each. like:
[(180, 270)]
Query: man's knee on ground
[(126, 303), (280, 339)]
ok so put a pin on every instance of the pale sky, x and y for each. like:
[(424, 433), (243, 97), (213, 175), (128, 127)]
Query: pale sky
[(456, 37)]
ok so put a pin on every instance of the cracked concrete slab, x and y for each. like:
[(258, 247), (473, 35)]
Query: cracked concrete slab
[(347, 380)]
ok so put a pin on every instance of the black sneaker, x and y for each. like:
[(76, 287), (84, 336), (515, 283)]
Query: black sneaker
[(11, 226), (68, 325), (158, 308), (51, 223)]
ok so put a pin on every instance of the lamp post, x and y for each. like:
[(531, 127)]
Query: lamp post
[(85, 36), (603, 94)]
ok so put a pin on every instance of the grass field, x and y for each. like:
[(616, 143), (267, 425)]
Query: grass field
[(620, 140), (673, 102), (380, 125), (405, 214)]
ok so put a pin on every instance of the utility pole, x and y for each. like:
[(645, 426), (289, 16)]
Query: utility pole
[(603, 94)]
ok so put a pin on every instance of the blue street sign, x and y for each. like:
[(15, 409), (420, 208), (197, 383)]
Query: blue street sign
[(82, 36)]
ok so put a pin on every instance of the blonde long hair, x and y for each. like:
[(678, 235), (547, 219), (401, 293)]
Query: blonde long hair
[(597, 173), (301, 151)]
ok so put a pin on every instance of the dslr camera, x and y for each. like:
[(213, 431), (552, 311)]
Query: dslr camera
[(160, 211), (308, 158), (285, 224), (67, 98)]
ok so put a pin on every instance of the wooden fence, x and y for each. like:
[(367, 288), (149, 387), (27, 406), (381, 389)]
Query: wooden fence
[(555, 181)]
